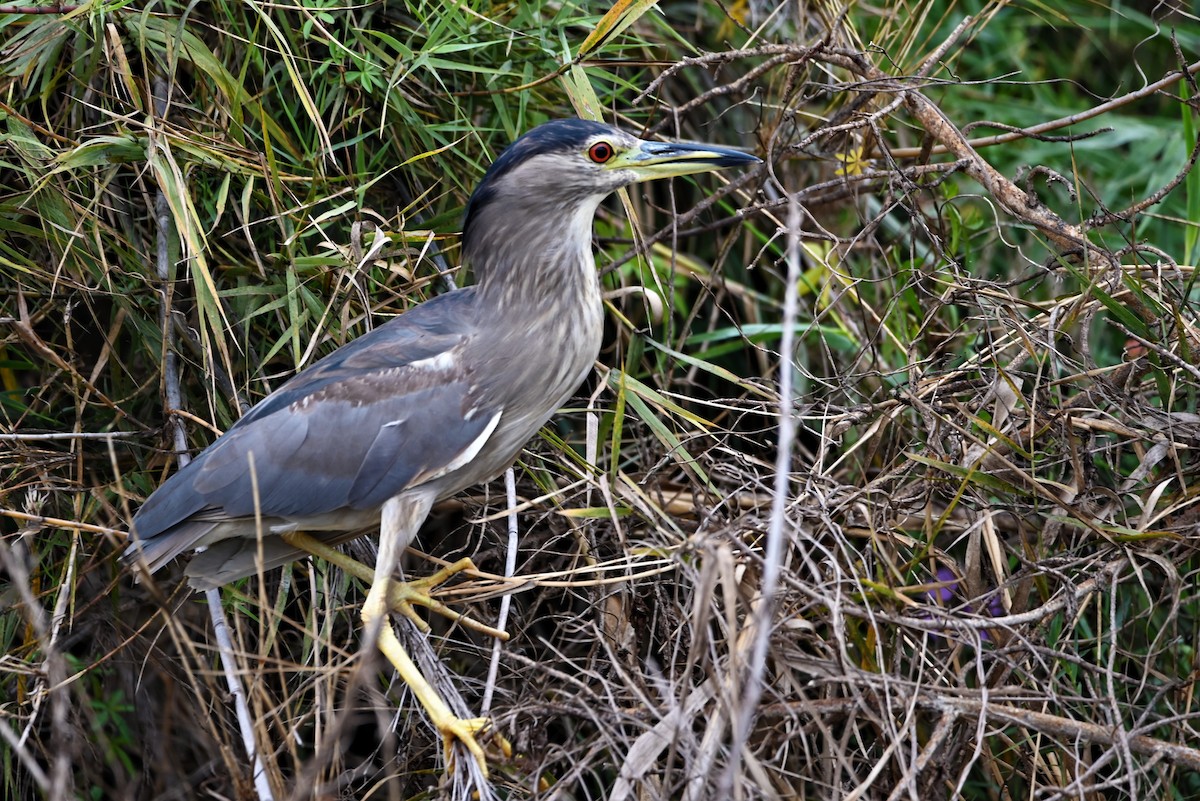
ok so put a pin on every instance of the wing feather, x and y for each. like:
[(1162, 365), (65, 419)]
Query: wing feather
[(348, 433)]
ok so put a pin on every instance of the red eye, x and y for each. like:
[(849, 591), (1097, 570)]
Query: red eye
[(600, 152)]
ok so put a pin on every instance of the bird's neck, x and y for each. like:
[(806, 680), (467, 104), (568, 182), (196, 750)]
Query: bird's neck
[(538, 298), (538, 271)]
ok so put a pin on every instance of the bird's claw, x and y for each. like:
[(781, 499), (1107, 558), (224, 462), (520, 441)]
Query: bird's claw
[(468, 731), (403, 596)]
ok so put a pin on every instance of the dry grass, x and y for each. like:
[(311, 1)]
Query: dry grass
[(971, 575)]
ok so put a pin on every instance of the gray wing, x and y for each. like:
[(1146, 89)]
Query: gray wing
[(386, 412)]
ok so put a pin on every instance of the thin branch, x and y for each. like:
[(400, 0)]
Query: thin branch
[(1066, 728), (1062, 122), (68, 435), (174, 401), (763, 616)]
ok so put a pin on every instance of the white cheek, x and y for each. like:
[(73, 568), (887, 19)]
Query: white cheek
[(624, 178)]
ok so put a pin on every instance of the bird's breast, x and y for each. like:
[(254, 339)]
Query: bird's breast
[(529, 373)]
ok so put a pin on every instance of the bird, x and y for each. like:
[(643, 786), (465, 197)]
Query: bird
[(441, 398)]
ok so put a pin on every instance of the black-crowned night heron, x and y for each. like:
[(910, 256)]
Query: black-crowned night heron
[(440, 398)]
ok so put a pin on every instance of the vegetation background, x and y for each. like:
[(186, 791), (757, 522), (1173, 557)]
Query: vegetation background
[(967, 547)]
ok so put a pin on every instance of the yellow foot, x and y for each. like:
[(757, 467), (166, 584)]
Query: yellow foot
[(403, 596), (467, 731)]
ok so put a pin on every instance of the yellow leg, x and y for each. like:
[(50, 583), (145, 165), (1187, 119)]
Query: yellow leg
[(452, 727), (399, 519), (402, 596)]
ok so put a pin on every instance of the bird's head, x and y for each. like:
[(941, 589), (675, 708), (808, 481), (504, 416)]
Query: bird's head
[(552, 179)]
